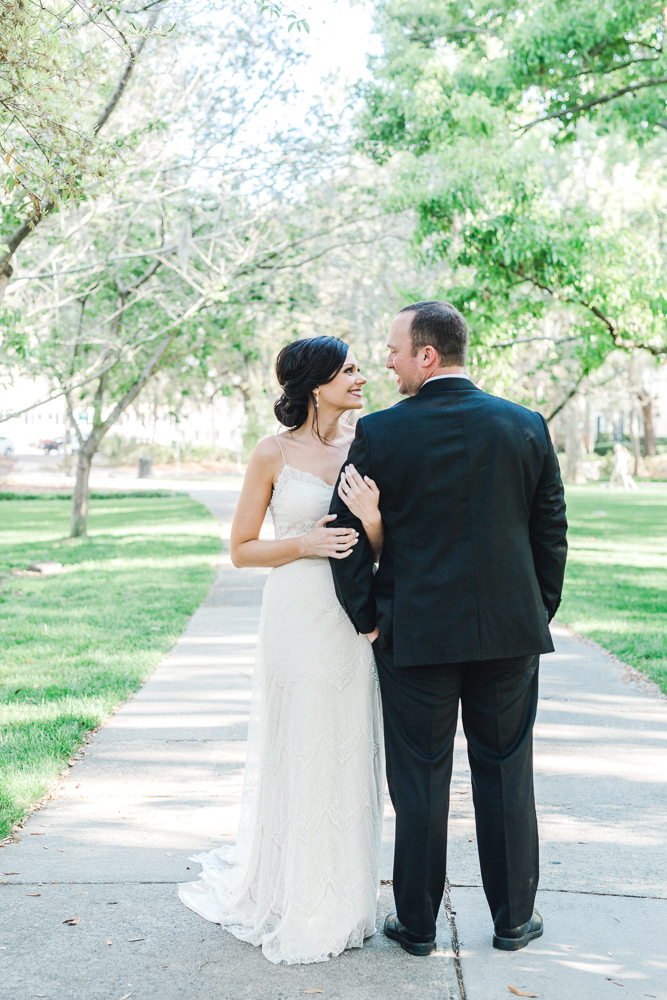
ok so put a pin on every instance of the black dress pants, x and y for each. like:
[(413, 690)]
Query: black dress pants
[(498, 703)]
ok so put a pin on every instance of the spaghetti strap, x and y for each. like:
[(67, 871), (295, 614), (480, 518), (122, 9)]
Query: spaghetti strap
[(281, 448)]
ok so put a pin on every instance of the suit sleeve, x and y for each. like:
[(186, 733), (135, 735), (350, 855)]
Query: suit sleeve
[(548, 529), (353, 576)]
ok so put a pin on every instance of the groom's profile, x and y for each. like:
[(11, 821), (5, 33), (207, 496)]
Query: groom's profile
[(469, 578)]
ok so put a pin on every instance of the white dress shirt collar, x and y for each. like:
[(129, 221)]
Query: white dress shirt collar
[(434, 378)]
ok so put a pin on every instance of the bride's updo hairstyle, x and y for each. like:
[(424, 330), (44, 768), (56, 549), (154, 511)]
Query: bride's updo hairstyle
[(301, 367)]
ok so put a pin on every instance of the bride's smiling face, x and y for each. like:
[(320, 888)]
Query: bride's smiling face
[(344, 391)]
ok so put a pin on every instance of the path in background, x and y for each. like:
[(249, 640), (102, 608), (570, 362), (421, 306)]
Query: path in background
[(163, 780), (47, 472)]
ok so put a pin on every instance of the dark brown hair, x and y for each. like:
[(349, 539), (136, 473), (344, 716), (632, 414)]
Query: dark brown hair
[(300, 368), (441, 326)]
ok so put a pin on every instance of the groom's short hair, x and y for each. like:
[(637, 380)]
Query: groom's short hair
[(441, 326)]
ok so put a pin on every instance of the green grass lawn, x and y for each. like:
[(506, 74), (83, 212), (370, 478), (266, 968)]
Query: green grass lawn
[(74, 646), (616, 580)]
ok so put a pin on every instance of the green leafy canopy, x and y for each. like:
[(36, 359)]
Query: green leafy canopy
[(507, 131)]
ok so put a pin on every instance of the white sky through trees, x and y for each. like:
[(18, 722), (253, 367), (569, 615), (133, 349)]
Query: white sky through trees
[(340, 39), (341, 36)]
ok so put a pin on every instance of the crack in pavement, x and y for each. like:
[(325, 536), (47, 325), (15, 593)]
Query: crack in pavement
[(455, 940)]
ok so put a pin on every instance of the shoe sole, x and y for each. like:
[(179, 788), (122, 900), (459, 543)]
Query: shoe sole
[(415, 948), (516, 944)]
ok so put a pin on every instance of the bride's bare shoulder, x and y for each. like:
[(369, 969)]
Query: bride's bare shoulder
[(266, 455), (267, 446)]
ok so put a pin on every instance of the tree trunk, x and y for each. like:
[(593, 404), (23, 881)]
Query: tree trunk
[(5, 274), (79, 522), (634, 436), (574, 414), (649, 430)]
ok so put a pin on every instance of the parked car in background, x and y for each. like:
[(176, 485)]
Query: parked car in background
[(6, 447), (59, 442), (50, 444)]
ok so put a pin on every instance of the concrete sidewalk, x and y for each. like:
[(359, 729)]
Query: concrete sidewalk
[(601, 789), (162, 780)]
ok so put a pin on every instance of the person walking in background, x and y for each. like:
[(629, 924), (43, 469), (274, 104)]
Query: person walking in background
[(621, 469), (469, 577)]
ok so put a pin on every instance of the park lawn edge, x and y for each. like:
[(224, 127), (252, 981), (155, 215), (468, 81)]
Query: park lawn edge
[(615, 592), (633, 674), (76, 646)]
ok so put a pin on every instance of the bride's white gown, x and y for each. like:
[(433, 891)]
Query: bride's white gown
[(302, 879)]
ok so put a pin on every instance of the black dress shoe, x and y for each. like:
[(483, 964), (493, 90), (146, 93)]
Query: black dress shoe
[(414, 943), (518, 937)]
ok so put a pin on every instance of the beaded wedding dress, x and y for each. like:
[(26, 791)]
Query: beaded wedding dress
[(302, 879)]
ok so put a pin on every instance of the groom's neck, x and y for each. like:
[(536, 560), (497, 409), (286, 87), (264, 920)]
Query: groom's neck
[(451, 370), (435, 372)]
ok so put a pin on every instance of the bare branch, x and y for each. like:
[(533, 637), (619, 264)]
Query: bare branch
[(531, 340), (577, 109), (125, 75), (612, 329), (571, 393), (150, 367), (604, 71), (124, 290), (27, 226), (57, 395), (97, 263)]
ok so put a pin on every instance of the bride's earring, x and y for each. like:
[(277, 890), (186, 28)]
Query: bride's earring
[(317, 399)]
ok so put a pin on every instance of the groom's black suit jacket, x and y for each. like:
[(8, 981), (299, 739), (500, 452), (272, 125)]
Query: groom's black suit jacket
[(474, 519)]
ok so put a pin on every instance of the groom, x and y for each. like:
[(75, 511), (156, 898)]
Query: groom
[(469, 578)]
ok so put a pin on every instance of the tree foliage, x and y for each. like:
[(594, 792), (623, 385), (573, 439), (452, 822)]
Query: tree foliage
[(55, 57), (175, 270), (534, 230), (560, 60)]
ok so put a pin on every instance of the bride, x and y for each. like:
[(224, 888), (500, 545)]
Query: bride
[(302, 879)]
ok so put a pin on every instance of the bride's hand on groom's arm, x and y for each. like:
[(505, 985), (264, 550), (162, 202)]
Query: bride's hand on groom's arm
[(361, 495), (330, 542)]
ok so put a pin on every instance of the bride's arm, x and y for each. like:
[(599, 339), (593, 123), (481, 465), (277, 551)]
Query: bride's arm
[(246, 547), (362, 497)]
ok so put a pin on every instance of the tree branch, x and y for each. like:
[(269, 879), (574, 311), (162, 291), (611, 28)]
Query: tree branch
[(124, 290), (56, 395), (577, 109), (619, 341), (149, 368), (531, 340), (567, 399), (72, 419), (98, 263), (27, 226), (125, 75)]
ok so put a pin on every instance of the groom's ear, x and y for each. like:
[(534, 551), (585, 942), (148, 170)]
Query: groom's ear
[(428, 355)]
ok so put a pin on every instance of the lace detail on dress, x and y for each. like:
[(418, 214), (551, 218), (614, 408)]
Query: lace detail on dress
[(302, 880), (290, 472), (291, 508)]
